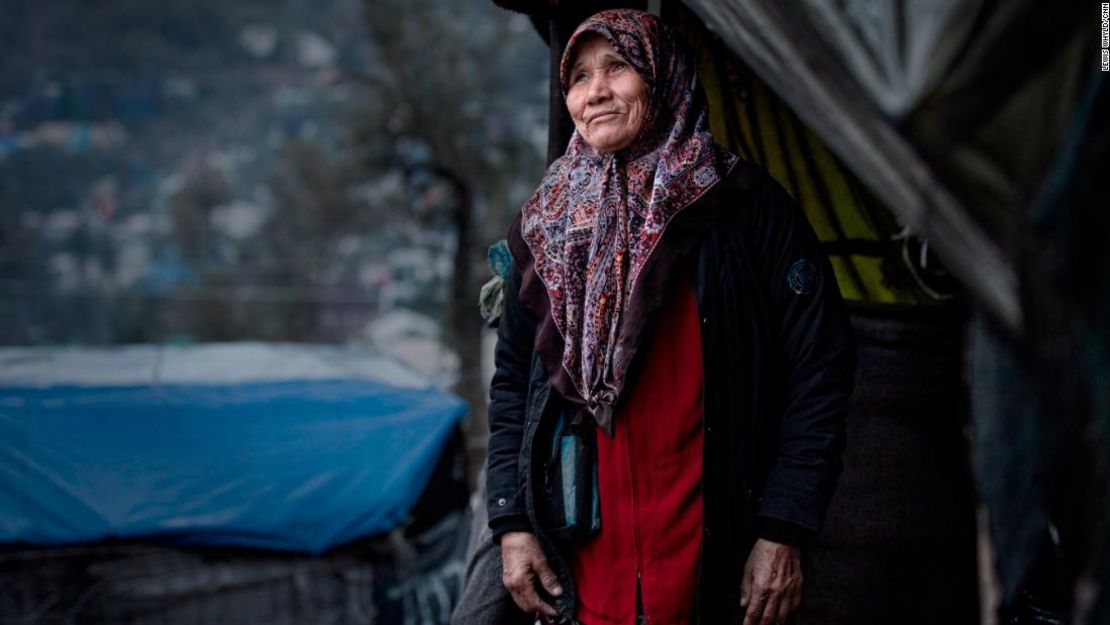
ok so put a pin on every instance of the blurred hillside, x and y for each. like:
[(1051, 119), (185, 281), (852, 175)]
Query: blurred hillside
[(307, 171)]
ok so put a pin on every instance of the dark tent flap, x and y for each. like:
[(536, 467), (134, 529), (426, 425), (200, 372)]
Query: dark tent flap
[(889, 89)]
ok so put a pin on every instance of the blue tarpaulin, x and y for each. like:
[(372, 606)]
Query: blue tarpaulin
[(287, 447)]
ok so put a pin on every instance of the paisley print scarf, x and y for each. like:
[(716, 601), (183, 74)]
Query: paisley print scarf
[(596, 219)]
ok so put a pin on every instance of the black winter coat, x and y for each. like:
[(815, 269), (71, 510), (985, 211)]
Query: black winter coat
[(779, 362)]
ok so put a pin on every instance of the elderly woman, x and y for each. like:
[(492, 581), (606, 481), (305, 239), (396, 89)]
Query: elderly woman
[(673, 346)]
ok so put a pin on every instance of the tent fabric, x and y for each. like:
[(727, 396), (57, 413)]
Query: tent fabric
[(929, 104), (865, 244), (782, 49), (288, 447), (953, 114), (370, 582), (898, 51)]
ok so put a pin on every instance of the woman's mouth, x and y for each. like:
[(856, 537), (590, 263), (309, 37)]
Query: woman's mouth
[(600, 117)]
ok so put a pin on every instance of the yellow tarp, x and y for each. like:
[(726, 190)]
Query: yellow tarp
[(749, 119)]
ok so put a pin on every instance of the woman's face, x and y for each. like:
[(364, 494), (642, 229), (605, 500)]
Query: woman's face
[(607, 99)]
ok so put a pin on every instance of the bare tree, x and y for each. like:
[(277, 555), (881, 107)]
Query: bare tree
[(448, 104)]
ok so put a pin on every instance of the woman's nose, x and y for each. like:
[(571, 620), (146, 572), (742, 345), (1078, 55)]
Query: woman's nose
[(598, 89)]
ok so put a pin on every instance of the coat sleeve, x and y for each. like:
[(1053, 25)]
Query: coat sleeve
[(508, 399), (818, 356)]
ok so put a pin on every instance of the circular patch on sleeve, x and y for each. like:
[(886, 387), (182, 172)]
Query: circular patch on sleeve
[(802, 277)]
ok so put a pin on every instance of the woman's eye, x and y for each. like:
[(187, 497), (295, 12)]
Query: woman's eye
[(618, 65), (580, 76)]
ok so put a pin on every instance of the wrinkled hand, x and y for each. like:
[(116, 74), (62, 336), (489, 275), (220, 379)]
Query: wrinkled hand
[(772, 583), (522, 562)]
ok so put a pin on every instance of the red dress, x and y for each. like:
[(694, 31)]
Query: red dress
[(649, 476)]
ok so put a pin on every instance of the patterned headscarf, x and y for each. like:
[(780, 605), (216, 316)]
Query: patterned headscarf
[(596, 219)]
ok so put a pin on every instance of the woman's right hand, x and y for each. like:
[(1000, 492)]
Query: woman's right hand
[(522, 562)]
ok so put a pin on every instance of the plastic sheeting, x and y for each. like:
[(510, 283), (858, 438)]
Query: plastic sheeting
[(296, 448), (929, 103), (376, 581)]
